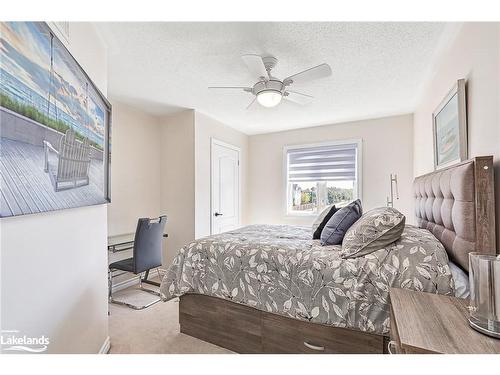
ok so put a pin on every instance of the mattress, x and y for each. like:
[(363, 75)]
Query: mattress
[(280, 269)]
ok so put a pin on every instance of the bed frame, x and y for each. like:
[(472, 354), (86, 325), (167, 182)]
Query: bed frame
[(456, 204)]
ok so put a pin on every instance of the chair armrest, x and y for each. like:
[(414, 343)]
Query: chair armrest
[(46, 148)]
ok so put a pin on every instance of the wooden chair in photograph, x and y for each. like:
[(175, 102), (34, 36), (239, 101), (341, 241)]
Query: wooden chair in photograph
[(73, 162)]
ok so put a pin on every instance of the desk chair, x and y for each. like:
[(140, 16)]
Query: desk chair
[(146, 256)]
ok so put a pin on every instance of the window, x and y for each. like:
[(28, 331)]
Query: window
[(320, 175)]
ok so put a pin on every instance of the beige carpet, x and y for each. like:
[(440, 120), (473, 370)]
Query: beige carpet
[(154, 330)]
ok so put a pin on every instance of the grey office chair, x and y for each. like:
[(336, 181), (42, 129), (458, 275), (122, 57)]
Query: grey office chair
[(146, 256)]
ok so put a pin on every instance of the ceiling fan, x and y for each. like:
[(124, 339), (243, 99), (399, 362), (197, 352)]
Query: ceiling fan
[(269, 90)]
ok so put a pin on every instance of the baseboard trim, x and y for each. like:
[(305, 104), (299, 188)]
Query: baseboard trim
[(105, 346)]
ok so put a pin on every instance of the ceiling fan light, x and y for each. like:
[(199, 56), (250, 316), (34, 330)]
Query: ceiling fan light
[(269, 98)]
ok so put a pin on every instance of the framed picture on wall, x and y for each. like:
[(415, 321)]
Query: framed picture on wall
[(450, 128), (54, 125)]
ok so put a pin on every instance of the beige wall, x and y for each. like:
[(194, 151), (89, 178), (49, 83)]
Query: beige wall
[(177, 197), (135, 168), (387, 148), (162, 166), (207, 128), (474, 55), (53, 264)]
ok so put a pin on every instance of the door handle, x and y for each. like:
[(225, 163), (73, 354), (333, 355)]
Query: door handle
[(217, 214)]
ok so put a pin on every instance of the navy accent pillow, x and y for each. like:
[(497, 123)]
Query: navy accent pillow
[(319, 229), (336, 228)]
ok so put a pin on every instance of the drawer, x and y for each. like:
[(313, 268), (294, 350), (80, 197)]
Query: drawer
[(220, 322), (286, 335)]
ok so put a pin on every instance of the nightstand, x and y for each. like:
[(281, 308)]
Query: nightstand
[(432, 323)]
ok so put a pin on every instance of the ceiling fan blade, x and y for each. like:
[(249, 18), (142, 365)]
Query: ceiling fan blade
[(256, 65), (251, 103), (298, 97), (316, 72), (232, 87)]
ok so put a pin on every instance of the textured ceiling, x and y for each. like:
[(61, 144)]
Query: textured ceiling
[(378, 68)]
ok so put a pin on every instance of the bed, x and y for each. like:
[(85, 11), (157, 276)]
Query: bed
[(272, 289)]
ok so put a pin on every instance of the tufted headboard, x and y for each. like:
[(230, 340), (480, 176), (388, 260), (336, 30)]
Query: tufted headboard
[(457, 204)]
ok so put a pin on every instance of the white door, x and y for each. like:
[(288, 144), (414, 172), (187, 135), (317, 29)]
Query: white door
[(225, 177)]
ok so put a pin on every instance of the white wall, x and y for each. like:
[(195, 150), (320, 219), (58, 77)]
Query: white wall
[(474, 55), (177, 181), (135, 168), (387, 148), (207, 128), (54, 277)]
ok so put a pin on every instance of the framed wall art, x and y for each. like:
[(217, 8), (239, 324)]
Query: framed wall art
[(54, 125), (450, 128)]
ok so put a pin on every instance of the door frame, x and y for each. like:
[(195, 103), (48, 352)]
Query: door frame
[(214, 141)]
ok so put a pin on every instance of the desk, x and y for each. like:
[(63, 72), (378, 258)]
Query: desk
[(122, 242)]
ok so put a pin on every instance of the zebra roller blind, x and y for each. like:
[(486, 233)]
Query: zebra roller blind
[(322, 163)]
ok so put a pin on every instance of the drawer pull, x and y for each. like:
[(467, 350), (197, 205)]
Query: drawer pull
[(314, 347), (392, 345)]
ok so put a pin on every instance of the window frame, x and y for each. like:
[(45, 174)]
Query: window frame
[(359, 171)]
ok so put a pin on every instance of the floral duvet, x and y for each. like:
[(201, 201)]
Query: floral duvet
[(280, 269)]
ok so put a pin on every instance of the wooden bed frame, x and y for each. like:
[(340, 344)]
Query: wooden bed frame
[(244, 329)]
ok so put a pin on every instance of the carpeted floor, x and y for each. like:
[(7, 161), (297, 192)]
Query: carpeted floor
[(154, 330)]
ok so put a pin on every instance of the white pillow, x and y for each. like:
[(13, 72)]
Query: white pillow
[(320, 217), (461, 281)]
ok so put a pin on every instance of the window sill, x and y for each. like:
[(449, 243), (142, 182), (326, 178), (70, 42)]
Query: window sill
[(296, 214)]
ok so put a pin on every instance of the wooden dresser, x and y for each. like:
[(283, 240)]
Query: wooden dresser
[(432, 323)]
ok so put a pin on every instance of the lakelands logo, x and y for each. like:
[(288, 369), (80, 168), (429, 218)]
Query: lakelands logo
[(12, 341)]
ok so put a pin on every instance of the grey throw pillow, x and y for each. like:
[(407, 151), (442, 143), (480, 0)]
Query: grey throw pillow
[(375, 230), (321, 221), (340, 222)]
